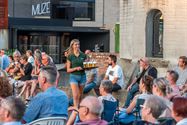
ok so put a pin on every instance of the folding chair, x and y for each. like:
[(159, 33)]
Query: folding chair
[(137, 110), (49, 121), (166, 121), (109, 110)]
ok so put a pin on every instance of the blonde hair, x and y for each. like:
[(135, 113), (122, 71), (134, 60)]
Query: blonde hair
[(162, 84), (70, 51)]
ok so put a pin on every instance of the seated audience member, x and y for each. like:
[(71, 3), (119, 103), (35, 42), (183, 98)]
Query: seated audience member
[(91, 76), (3, 73), (41, 59), (152, 109), (65, 58), (11, 65), (13, 70), (91, 80), (114, 73), (173, 91), (37, 62), (30, 57), (145, 88), (30, 85), (110, 104), (89, 112), (184, 90), (160, 86), (181, 69), (25, 69), (179, 110), (105, 90), (11, 111), (16, 71), (48, 61), (4, 60), (133, 88), (5, 88), (52, 102)]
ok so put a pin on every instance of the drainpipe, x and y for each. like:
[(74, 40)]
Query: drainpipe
[(13, 8), (103, 13)]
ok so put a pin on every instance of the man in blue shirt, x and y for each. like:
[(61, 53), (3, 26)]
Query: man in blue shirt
[(4, 60), (51, 102)]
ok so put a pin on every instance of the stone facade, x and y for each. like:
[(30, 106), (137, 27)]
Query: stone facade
[(133, 15)]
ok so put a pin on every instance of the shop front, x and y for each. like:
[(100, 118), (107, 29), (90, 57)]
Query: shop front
[(48, 26), (31, 34)]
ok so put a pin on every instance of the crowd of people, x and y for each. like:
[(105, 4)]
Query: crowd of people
[(29, 91)]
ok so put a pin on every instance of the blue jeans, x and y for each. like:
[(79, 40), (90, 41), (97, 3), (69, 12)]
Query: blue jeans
[(77, 79), (131, 93), (126, 118), (116, 87), (89, 87)]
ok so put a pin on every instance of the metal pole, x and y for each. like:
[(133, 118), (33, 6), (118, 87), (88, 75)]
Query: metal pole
[(13, 7), (103, 13)]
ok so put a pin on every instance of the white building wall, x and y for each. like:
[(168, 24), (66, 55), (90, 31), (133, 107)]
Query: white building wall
[(3, 39), (133, 14), (105, 20), (175, 42)]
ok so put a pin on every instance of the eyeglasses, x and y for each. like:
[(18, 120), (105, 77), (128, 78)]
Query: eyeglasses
[(141, 60), (81, 106), (142, 106)]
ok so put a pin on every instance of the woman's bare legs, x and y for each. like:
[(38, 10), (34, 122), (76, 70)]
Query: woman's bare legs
[(33, 87), (77, 91), (24, 88), (27, 93), (81, 87), (76, 94)]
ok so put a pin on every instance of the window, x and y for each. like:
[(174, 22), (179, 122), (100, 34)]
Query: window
[(49, 43), (78, 10), (154, 34)]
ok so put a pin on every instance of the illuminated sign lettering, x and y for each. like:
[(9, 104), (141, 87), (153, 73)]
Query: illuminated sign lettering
[(40, 9)]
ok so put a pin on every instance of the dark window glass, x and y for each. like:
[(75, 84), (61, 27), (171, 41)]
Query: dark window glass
[(46, 43), (79, 10)]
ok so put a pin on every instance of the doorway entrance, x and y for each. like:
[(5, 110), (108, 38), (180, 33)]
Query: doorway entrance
[(154, 34)]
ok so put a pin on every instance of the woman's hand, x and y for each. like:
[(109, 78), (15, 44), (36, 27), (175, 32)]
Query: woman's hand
[(78, 68)]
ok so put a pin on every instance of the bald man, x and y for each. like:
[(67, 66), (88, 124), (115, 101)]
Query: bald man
[(133, 88), (90, 110)]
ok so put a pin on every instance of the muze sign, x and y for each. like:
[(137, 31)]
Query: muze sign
[(41, 9), (3, 14)]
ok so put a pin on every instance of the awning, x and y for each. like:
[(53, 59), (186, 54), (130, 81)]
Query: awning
[(31, 24)]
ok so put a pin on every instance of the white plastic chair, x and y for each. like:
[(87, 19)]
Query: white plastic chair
[(49, 121)]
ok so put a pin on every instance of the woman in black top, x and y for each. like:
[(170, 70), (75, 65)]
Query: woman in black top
[(25, 68)]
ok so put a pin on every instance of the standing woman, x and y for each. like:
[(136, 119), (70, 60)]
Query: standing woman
[(75, 61)]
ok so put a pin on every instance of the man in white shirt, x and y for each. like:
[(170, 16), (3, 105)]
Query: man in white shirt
[(114, 73), (181, 69)]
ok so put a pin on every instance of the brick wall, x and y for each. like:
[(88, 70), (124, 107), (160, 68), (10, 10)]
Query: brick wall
[(3, 14), (101, 59)]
